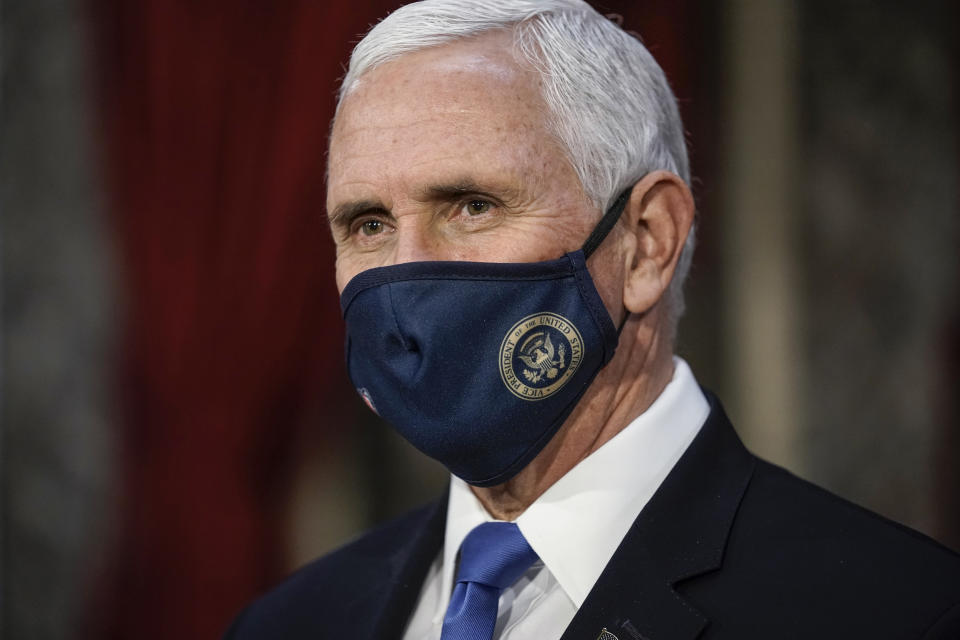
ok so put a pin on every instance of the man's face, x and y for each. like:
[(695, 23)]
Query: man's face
[(444, 154)]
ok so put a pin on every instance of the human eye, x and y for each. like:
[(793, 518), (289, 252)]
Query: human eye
[(371, 227), (368, 229), (476, 207), (476, 212)]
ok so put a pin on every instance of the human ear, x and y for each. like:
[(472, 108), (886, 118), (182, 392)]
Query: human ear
[(658, 218)]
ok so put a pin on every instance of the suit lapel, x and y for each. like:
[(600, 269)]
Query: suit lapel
[(681, 533), (406, 570)]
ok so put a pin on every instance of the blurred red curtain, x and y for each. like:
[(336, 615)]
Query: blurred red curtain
[(214, 118)]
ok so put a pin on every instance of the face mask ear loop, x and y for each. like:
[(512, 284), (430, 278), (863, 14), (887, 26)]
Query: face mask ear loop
[(606, 223), (603, 229)]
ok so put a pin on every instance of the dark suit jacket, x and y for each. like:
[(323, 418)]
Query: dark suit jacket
[(729, 547)]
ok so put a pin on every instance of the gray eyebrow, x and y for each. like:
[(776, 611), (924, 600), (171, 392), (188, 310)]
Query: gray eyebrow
[(468, 185), (347, 211)]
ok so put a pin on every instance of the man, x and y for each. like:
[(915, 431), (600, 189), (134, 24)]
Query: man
[(508, 190)]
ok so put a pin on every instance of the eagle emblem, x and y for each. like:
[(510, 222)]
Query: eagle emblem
[(537, 353)]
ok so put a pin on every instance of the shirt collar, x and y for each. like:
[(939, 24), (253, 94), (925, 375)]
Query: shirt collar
[(596, 502)]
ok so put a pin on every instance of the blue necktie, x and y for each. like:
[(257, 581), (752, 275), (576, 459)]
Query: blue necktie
[(492, 557)]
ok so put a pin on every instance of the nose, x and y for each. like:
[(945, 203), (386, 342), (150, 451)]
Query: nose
[(418, 244)]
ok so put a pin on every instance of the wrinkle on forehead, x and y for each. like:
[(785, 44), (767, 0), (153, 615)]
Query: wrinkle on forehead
[(459, 108)]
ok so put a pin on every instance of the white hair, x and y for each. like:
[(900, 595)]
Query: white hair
[(609, 102)]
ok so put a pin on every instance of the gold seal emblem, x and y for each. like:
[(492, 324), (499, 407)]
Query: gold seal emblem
[(539, 355)]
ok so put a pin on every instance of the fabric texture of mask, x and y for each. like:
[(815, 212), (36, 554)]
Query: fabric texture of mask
[(478, 364)]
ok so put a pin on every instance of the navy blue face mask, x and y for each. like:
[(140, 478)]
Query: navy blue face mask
[(478, 364)]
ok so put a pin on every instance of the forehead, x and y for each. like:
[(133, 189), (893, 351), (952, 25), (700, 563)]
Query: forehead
[(464, 106)]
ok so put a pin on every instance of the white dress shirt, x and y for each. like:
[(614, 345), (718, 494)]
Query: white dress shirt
[(576, 525)]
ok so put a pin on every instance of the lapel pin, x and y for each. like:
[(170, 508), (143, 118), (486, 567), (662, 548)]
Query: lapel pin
[(606, 635)]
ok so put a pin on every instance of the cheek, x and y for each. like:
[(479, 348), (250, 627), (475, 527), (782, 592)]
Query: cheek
[(608, 272), (341, 281), (511, 247), (345, 269), (536, 236)]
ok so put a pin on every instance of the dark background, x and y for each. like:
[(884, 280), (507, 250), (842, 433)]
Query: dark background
[(178, 431)]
